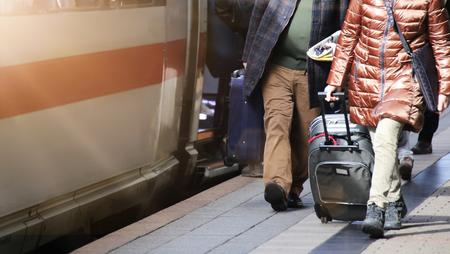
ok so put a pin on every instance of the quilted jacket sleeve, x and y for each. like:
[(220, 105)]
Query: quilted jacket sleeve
[(439, 37), (343, 57)]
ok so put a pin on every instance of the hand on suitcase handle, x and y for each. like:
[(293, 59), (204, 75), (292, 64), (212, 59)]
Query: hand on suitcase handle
[(338, 95), (335, 95), (329, 92)]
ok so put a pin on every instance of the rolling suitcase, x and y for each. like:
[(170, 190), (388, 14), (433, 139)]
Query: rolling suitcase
[(246, 137), (340, 165)]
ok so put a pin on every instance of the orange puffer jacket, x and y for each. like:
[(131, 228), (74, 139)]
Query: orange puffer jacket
[(381, 84)]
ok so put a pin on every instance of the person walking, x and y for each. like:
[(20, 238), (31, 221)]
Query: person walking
[(425, 138), (383, 94), (423, 145), (280, 29)]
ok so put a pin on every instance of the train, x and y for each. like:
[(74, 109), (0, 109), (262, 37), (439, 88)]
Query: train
[(106, 109)]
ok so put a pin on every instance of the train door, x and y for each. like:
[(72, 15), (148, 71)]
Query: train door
[(221, 60)]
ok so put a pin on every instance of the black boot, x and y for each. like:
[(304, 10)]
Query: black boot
[(374, 222)]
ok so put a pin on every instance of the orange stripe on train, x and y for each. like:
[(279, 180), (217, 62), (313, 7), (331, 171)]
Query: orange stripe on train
[(41, 85)]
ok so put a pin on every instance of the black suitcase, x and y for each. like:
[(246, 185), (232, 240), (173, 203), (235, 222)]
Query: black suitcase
[(340, 164), (246, 137)]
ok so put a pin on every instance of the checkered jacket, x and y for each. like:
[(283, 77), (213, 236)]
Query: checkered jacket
[(268, 20)]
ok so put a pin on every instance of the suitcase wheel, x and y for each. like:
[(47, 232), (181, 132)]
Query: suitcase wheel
[(321, 214)]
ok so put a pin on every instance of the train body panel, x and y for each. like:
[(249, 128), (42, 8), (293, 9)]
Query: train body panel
[(65, 148), (98, 112), (33, 38)]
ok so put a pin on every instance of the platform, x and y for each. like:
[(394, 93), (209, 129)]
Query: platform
[(234, 218)]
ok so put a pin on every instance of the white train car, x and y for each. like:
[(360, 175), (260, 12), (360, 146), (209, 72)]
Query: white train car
[(99, 112)]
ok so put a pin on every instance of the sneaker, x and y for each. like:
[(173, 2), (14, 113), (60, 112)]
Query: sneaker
[(275, 195), (401, 206), (253, 170), (405, 167), (393, 217), (374, 222)]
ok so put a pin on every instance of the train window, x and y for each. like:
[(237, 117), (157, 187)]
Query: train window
[(87, 3), (207, 111), (209, 101), (23, 6), (43, 6), (140, 3), (135, 2)]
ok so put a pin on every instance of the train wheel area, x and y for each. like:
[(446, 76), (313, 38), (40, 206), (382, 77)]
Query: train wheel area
[(233, 217)]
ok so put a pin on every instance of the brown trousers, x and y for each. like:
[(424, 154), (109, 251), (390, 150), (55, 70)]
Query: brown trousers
[(286, 121)]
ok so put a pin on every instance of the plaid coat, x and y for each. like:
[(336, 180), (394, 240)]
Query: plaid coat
[(269, 18)]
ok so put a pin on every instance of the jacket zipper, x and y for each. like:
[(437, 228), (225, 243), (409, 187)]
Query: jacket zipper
[(356, 69), (383, 72)]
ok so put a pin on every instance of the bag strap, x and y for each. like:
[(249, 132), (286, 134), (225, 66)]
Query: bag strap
[(391, 22)]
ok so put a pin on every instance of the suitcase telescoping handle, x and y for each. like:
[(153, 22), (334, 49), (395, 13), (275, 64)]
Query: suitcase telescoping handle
[(341, 96)]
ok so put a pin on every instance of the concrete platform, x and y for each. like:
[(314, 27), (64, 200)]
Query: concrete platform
[(234, 218)]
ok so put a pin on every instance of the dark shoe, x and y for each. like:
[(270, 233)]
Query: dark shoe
[(400, 205), (422, 147), (275, 195), (394, 212), (253, 170), (393, 216), (294, 201), (405, 167), (374, 222)]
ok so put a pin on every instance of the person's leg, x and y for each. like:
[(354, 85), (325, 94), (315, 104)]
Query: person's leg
[(396, 207), (302, 118), (423, 145), (405, 156), (429, 127), (278, 105), (253, 170), (385, 178), (404, 148)]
